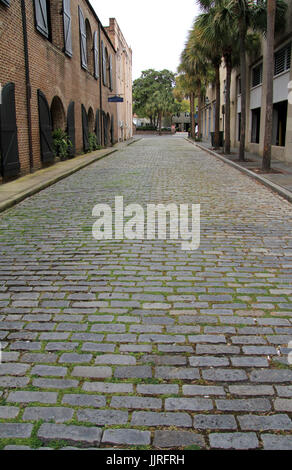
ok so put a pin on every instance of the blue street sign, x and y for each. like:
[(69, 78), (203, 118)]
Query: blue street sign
[(115, 99)]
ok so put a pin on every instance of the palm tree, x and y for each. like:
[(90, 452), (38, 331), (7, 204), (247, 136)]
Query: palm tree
[(211, 56), (162, 103), (271, 14), (217, 29), (275, 19), (197, 64), (249, 15), (186, 85)]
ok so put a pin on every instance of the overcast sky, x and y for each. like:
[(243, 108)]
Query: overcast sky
[(155, 29)]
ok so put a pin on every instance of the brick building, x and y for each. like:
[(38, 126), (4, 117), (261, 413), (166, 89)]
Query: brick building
[(123, 80), (57, 70)]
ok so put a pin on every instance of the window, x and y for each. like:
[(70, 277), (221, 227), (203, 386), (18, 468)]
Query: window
[(279, 123), (104, 76), (111, 72), (96, 55), (89, 47), (239, 126), (257, 75), (67, 27), (83, 45), (282, 60), (43, 18), (238, 85), (255, 125)]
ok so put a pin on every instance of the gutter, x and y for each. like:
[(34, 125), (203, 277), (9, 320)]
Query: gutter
[(28, 84), (100, 87)]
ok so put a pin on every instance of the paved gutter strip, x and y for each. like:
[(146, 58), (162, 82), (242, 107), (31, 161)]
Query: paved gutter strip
[(261, 179)]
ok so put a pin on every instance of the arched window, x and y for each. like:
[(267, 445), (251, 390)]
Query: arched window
[(90, 120), (89, 47), (58, 114), (107, 67)]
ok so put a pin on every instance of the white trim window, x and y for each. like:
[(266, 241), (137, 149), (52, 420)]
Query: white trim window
[(282, 60), (239, 85), (257, 75)]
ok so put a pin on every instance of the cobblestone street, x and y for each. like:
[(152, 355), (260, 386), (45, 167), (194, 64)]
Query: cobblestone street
[(139, 344)]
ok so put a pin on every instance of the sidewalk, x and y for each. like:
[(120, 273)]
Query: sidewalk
[(15, 191), (280, 181)]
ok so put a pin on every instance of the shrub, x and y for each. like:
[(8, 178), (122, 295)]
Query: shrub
[(61, 144), (92, 140), (146, 128)]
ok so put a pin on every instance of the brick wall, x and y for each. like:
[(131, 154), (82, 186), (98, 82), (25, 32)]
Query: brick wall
[(123, 79), (59, 77)]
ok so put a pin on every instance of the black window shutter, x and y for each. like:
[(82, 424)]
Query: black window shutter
[(71, 128), (67, 27), (41, 17), (83, 50), (103, 64), (111, 72), (96, 55), (6, 2), (97, 126), (8, 133), (85, 129), (112, 129), (105, 129), (45, 121)]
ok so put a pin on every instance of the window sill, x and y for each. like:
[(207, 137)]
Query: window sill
[(282, 73)]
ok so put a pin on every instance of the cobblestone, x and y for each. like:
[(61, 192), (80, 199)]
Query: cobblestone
[(125, 333), (172, 439), (71, 434), (237, 441), (265, 423)]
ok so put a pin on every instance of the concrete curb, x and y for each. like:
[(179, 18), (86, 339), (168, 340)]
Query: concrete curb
[(45, 184), (269, 184)]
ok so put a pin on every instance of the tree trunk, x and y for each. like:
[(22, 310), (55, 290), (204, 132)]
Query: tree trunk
[(227, 102), (242, 38), (199, 109), (271, 13), (159, 122), (217, 110), (192, 109)]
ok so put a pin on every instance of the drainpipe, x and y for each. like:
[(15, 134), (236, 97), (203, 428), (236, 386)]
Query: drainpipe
[(100, 85), (28, 85)]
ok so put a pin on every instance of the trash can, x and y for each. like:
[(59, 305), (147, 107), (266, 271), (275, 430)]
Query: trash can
[(221, 136)]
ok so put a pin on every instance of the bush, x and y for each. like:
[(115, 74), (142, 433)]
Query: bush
[(92, 140), (146, 128), (61, 144)]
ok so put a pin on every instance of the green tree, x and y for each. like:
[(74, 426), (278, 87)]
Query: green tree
[(151, 83), (276, 12), (194, 65), (247, 15), (186, 87), (163, 104), (206, 53)]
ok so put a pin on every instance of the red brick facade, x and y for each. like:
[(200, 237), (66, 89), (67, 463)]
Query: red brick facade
[(59, 77)]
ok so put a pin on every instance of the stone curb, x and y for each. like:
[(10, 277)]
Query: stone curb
[(45, 184), (269, 184)]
